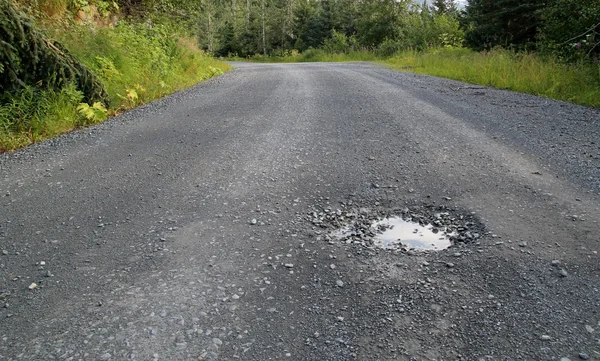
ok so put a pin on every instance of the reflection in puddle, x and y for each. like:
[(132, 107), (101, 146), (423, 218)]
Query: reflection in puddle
[(391, 233)]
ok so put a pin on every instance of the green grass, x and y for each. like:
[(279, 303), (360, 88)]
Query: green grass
[(312, 55), (137, 64), (526, 73)]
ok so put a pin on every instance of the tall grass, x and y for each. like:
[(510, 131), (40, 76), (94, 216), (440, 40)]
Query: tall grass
[(152, 61), (521, 72), (136, 63), (33, 114)]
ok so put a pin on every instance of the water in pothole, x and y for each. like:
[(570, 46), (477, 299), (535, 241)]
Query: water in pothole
[(395, 232)]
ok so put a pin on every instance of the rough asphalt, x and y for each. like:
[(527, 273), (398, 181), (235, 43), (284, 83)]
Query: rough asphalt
[(199, 227)]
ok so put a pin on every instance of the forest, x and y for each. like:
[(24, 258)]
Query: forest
[(65, 64), (564, 28)]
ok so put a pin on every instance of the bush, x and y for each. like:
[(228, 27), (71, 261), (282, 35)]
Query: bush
[(337, 43), (387, 48)]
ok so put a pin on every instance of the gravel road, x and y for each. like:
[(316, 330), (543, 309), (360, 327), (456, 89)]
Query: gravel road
[(209, 225)]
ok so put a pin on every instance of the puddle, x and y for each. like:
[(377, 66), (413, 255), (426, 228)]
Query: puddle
[(393, 233)]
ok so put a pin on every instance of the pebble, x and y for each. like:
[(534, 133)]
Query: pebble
[(332, 266), (555, 263), (563, 272), (584, 356), (340, 319), (105, 356), (289, 265), (339, 283), (450, 265), (565, 359), (253, 221), (545, 338), (217, 341), (5, 252), (33, 286), (589, 328)]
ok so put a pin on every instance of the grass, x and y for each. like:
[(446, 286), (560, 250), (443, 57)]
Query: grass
[(526, 73), (312, 55), (137, 64)]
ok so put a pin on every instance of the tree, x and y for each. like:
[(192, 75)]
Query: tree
[(571, 29), (379, 21), (28, 58), (440, 7), (508, 23)]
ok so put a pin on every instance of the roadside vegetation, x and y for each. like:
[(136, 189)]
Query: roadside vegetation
[(547, 48), (518, 71), (69, 64)]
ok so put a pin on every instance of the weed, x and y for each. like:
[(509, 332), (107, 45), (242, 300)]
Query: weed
[(136, 63), (499, 68)]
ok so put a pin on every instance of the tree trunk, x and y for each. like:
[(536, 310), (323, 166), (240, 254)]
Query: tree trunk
[(264, 40)]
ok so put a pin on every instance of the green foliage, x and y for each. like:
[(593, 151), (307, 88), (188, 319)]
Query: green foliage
[(388, 48), (337, 43), (30, 58), (522, 72), (138, 56), (93, 114), (32, 113), (379, 21), (136, 62), (571, 29), (506, 23)]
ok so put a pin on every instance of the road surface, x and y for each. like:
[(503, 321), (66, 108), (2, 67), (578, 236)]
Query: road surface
[(206, 225)]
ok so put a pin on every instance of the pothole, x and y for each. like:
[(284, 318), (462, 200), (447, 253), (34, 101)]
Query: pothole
[(418, 228), (395, 232)]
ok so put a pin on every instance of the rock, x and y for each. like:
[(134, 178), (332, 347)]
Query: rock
[(332, 266), (589, 328), (545, 338), (253, 221), (584, 356), (33, 286), (217, 341), (5, 252), (563, 272), (339, 283), (105, 356), (565, 359), (555, 263), (289, 265), (340, 319), (450, 265), (235, 297)]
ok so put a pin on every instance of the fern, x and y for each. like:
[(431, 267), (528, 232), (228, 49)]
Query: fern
[(95, 113)]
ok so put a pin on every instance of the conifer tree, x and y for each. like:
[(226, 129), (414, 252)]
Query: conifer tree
[(31, 59)]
